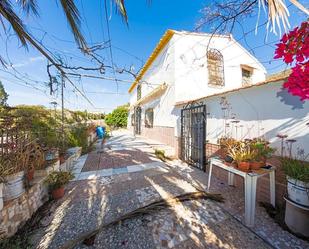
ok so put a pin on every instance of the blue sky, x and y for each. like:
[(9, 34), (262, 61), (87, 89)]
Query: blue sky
[(131, 46)]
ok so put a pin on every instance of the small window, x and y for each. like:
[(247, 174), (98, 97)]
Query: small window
[(139, 92), (246, 75), (132, 119), (149, 118), (215, 68)]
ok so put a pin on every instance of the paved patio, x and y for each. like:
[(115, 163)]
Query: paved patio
[(101, 193)]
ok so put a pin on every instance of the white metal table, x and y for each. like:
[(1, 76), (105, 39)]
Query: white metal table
[(250, 180)]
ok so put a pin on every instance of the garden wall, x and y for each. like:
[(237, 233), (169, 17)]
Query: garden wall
[(16, 212), (259, 111)]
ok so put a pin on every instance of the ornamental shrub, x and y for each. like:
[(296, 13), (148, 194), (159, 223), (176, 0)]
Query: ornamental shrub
[(118, 117)]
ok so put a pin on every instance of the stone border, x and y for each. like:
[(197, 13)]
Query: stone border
[(16, 212), (89, 175)]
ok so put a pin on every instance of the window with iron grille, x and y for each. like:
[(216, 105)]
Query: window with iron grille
[(215, 68), (149, 118), (139, 92), (246, 75)]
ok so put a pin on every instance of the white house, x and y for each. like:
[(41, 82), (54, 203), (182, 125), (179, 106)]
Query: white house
[(196, 87), (185, 66)]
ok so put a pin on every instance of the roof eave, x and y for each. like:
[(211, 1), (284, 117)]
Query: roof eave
[(161, 44)]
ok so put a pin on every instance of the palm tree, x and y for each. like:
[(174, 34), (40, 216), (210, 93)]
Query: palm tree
[(69, 8)]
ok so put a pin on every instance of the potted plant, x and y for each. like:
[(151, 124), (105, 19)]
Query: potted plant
[(56, 181), (262, 151), (30, 173), (225, 143), (49, 140), (62, 154), (36, 160), (242, 154), (297, 172), (12, 172)]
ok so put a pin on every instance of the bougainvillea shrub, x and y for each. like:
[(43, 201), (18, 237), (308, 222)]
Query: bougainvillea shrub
[(294, 50)]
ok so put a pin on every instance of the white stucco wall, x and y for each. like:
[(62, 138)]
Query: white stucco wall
[(262, 111), (191, 72), (161, 71)]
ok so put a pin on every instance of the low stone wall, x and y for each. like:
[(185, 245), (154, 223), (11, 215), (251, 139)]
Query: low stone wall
[(16, 212), (263, 191)]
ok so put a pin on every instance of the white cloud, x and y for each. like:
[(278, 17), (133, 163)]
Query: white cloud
[(27, 62), (37, 58)]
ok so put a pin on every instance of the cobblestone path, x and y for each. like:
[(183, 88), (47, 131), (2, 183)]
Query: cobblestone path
[(124, 175)]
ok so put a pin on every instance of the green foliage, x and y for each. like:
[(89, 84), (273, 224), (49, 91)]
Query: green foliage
[(57, 179), (241, 152), (78, 136), (3, 95), (296, 169), (118, 117), (161, 155), (46, 125), (42, 123), (262, 149)]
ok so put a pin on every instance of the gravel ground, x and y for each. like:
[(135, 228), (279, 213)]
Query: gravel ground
[(91, 203), (166, 229)]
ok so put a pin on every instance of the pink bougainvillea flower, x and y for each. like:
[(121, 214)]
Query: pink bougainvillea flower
[(294, 49)]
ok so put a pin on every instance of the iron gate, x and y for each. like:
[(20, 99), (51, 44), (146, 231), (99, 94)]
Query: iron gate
[(193, 135), (138, 120)]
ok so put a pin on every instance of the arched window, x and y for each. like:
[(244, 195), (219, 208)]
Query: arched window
[(215, 68)]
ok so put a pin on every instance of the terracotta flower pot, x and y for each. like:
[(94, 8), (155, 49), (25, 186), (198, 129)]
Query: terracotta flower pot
[(256, 165), (30, 175), (58, 193), (244, 166), (62, 159)]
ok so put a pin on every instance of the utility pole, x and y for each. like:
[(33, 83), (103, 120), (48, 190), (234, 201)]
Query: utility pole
[(62, 108)]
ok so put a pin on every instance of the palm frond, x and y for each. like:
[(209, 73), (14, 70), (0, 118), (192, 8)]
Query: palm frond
[(120, 7), (7, 12), (73, 17), (29, 6), (300, 6), (278, 14)]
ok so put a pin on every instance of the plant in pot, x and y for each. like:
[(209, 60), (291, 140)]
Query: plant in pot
[(36, 160), (12, 172), (49, 140), (56, 181), (242, 155), (225, 143), (262, 151), (62, 155), (297, 172)]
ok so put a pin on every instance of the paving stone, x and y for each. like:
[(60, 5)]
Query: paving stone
[(104, 172), (120, 171), (88, 203)]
